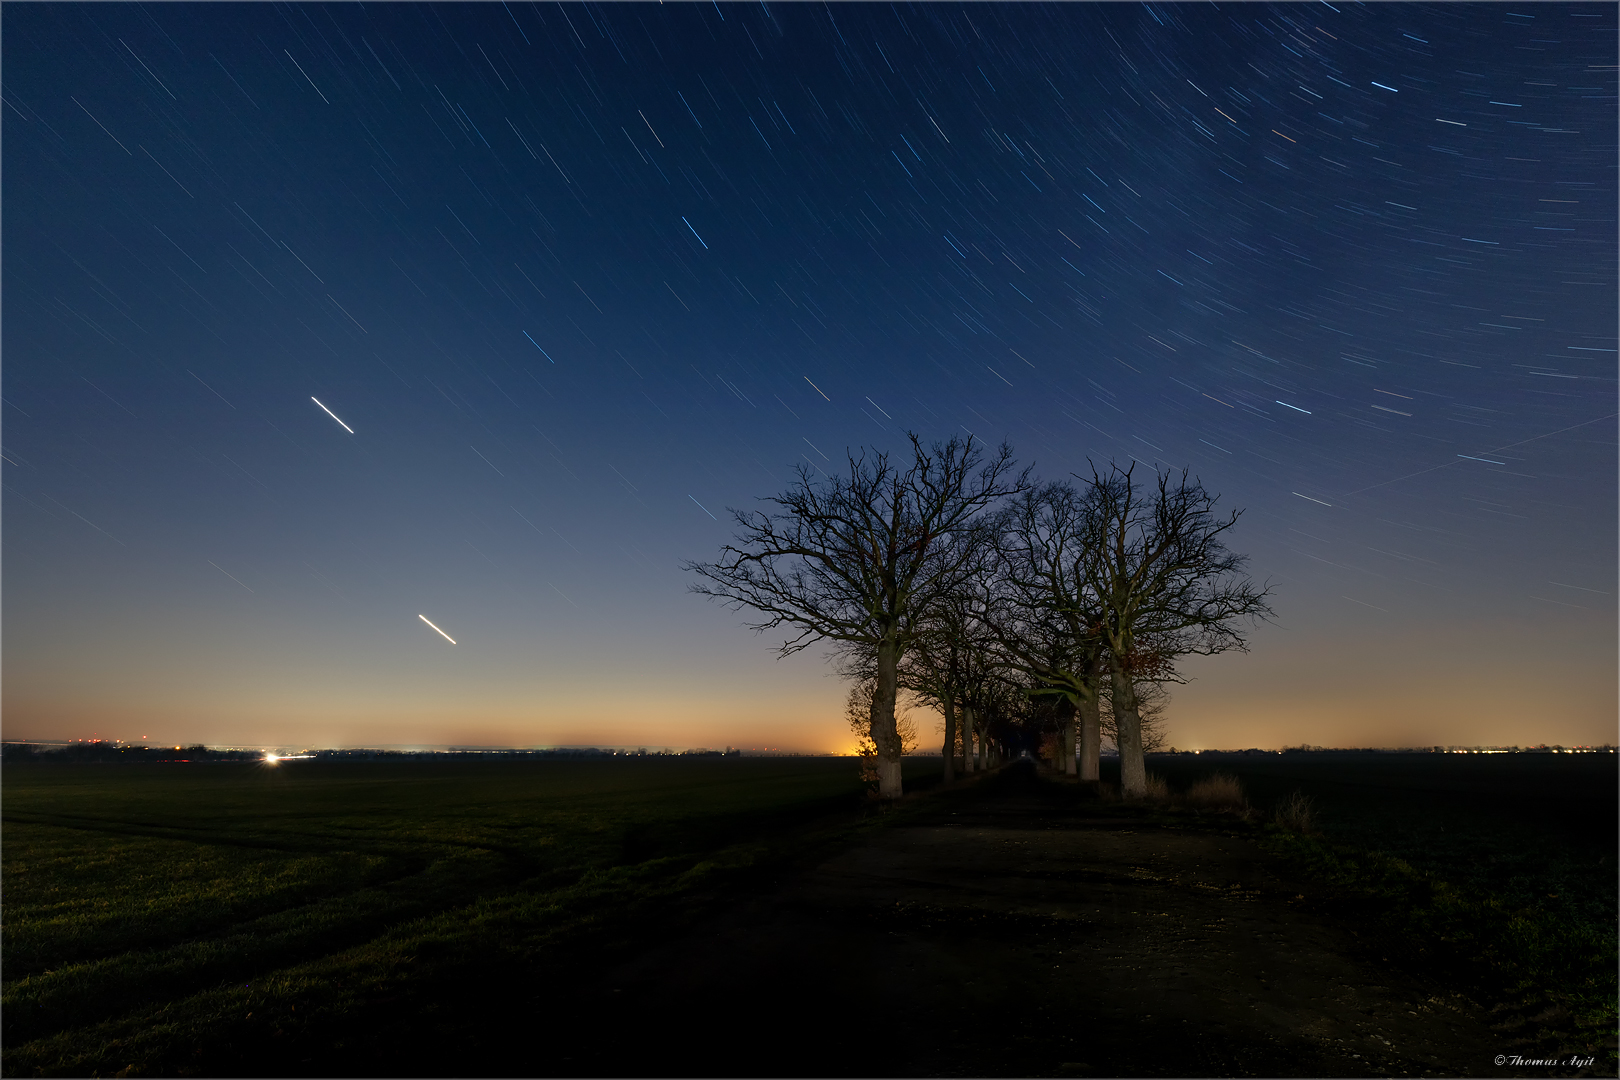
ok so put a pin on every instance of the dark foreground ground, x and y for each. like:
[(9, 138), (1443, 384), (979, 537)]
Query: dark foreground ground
[(1011, 927), (1005, 931), (1020, 933)]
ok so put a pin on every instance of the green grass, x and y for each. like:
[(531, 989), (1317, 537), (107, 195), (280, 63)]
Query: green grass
[(1498, 872), (156, 916)]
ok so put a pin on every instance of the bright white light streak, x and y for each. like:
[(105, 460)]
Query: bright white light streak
[(332, 414), (1296, 408), (429, 621)]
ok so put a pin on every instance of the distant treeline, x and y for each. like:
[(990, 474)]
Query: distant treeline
[(1293, 750), (110, 752), (548, 752), (104, 751)]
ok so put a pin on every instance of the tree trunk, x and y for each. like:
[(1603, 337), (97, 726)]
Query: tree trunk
[(1065, 717), (1090, 737), (884, 735), (984, 752), (950, 737), (967, 738), (1132, 769)]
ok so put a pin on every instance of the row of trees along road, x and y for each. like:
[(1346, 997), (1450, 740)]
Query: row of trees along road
[(953, 575)]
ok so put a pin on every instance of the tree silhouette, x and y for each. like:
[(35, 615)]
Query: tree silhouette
[(861, 559), (858, 714), (1167, 586), (1045, 621)]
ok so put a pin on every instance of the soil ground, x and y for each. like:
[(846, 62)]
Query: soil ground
[(1009, 929)]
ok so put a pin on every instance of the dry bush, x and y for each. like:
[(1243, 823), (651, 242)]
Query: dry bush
[(1296, 814), (1156, 789), (1221, 791)]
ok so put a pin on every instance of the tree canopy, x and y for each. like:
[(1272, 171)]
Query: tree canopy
[(948, 574), (863, 558)]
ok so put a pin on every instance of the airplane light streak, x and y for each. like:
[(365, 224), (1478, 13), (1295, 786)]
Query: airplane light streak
[(429, 621), (332, 414)]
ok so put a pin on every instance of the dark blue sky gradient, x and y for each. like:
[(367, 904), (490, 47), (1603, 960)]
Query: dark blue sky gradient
[(580, 277)]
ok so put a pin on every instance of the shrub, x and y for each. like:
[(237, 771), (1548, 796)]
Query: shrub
[(1157, 790), (1222, 791), (1296, 814)]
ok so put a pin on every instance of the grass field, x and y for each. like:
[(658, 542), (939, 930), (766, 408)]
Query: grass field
[(1499, 867), (201, 918), (321, 917)]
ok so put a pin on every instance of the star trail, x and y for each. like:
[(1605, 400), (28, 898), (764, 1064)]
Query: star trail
[(575, 277)]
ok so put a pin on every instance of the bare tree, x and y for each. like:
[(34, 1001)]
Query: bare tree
[(1152, 704), (1044, 616), (862, 559), (858, 713), (946, 663), (935, 669), (1168, 586), (994, 703)]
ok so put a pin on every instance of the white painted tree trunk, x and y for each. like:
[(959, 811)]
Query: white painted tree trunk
[(889, 783), (1066, 735), (967, 739), (1090, 739), (1132, 767), (884, 734)]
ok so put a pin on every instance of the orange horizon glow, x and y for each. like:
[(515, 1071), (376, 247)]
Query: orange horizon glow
[(1420, 686), (811, 726)]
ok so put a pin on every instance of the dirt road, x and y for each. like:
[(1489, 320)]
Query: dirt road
[(1015, 930)]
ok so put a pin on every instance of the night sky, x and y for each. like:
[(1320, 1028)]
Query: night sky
[(578, 278)]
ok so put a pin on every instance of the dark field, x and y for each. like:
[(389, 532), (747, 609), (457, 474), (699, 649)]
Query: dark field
[(150, 908), (1523, 825), (376, 918), (1502, 865)]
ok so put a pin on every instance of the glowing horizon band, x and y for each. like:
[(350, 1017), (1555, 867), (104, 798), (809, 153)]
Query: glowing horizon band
[(332, 414), (429, 621)]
